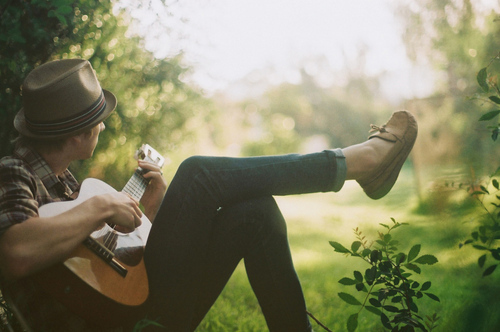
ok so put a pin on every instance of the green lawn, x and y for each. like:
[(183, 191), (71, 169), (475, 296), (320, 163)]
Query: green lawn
[(468, 301)]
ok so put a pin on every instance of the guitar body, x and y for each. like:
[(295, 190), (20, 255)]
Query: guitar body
[(104, 280)]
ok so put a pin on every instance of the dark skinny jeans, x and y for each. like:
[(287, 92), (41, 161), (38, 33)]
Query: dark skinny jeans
[(218, 211)]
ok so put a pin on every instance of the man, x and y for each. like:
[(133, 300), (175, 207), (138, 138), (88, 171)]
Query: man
[(215, 212), (62, 116)]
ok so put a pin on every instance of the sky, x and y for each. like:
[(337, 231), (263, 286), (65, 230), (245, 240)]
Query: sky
[(224, 41)]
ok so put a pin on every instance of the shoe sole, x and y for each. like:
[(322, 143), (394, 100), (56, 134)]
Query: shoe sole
[(394, 168)]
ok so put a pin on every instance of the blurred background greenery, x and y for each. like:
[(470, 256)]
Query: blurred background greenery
[(159, 106)]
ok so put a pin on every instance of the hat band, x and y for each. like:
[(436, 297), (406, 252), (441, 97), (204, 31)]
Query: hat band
[(68, 125)]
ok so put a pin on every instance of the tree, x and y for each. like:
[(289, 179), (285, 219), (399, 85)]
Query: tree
[(288, 116), (456, 38), (154, 105), (30, 32)]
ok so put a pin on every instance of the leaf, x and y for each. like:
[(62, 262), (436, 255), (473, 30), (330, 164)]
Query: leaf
[(413, 307), (349, 299), (426, 259), (370, 275), (375, 302), (489, 270), (360, 287), (390, 308), (352, 322), (384, 225), (495, 254), (355, 246), (481, 261), (396, 299), (347, 281), (385, 267), (358, 276), (387, 238), (413, 267), (495, 183), (373, 310), (400, 258), (365, 252), (385, 321), (64, 10), (339, 248), (426, 286), (414, 251), (490, 115), (432, 296), (382, 294), (495, 99), (374, 256), (481, 79)]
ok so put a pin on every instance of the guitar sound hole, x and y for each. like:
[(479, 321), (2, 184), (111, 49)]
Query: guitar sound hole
[(128, 248)]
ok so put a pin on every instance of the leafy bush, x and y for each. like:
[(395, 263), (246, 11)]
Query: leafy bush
[(490, 95), (388, 287), (485, 237)]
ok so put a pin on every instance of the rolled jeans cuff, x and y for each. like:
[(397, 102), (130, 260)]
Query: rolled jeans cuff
[(341, 170)]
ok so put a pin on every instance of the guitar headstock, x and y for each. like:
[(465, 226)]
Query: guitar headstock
[(147, 153)]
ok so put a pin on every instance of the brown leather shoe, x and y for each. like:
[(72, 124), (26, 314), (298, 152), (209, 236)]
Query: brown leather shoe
[(401, 129)]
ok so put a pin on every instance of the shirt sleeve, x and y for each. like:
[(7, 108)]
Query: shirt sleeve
[(17, 195)]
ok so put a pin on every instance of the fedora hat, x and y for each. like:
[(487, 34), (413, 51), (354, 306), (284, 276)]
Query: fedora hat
[(62, 98)]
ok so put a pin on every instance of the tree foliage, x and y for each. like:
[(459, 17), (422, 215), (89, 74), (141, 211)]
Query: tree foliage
[(154, 105), (455, 38), (307, 116), (30, 32)]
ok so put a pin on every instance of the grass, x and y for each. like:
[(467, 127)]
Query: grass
[(468, 301)]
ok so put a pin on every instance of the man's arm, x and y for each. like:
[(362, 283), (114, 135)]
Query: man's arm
[(39, 242)]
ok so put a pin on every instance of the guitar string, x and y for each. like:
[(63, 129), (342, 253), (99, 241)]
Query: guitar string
[(135, 187)]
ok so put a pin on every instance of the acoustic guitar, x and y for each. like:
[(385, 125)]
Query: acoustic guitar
[(104, 281)]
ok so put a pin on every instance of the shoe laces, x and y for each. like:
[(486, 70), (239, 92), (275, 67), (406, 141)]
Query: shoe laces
[(375, 128), (382, 129)]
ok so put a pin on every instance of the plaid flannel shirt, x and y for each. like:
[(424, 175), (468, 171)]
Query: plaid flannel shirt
[(26, 183)]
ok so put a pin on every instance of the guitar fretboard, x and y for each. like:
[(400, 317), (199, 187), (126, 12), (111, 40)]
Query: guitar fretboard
[(136, 186)]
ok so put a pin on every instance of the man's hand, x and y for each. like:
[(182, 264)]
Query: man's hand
[(153, 196), (121, 210)]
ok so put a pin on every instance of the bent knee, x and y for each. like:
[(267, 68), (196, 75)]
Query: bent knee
[(261, 214)]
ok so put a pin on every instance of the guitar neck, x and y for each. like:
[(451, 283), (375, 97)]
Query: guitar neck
[(136, 186)]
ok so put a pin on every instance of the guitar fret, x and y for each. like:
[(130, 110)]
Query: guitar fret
[(136, 186)]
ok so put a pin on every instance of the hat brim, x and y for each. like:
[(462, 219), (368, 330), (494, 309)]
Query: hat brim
[(21, 127)]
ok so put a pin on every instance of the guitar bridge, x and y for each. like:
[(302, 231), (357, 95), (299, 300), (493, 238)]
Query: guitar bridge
[(106, 255)]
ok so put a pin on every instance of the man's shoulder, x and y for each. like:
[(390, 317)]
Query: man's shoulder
[(9, 161), (23, 160), (14, 164)]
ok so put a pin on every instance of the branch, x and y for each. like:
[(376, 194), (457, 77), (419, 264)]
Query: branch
[(317, 321)]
